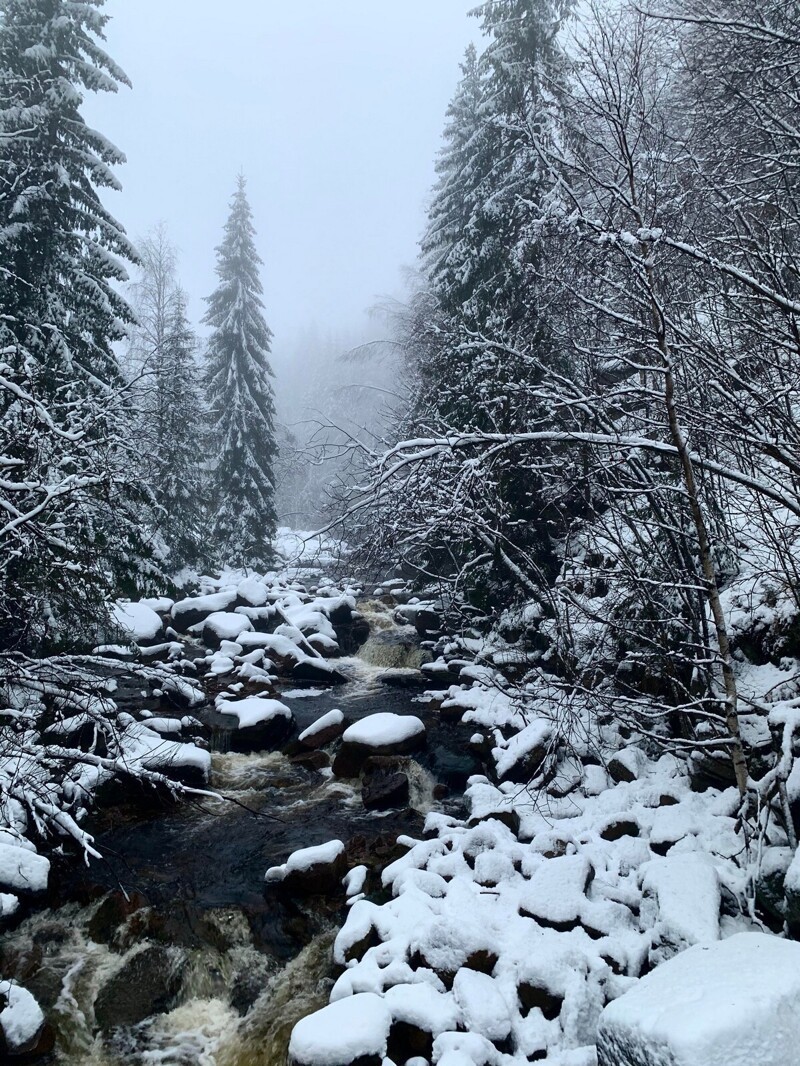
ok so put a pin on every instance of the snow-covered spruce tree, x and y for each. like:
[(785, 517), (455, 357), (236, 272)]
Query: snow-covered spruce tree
[(479, 331), (240, 399), (73, 529), (166, 400)]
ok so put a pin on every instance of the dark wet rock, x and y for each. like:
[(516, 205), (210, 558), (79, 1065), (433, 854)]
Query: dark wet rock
[(20, 962), (385, 785), (532, 997), (482, 960), (36, 1050), (147, 983), (263, 619), (707, 771), (509, 818), (427, 621), (318, 671), (378, 851), (623, 828), (268, 735), (113, 913), (527, 766), (454, 768), (311, 760), (407, 1041), (624, 766), (322, 737), (403, 679), (351, 634)]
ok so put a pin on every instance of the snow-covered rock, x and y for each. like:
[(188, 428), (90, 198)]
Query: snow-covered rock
[(252, 592), (681, 903), (224, 626), (194, 609), (325, 730), (22, 872), (21, 1019), (137, 621), (378, 734), (261, 723), (356, 1028), (732, 1003), (310, 871)]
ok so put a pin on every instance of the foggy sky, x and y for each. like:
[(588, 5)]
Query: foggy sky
[(334, 110)]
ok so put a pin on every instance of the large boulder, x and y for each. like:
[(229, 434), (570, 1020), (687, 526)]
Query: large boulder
[(24, 1035), (137, 622), (22, 871), (194, 609), (385, 785), (256, 723), (223, 626), (721, 1004), (378, 734), (312, 871), (353, 1031), (318, 672), (147, 983)]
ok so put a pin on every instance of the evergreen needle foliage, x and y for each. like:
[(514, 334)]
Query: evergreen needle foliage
[(240, 399)]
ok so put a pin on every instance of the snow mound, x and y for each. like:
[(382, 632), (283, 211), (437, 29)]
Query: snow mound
[(733, 1003), (138, 621), (227, 626), (385, 728), (22, 870), (342, 1032), (254, 710), (302, 861), (21, 1019)]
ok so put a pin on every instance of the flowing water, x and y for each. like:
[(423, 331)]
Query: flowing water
[(175, 919)]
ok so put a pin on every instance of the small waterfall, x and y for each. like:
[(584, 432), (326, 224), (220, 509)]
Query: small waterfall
[(298, 990), (421, 785)]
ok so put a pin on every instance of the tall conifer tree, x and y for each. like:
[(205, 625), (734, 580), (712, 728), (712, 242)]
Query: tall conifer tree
[(73, 532), (240, 398)]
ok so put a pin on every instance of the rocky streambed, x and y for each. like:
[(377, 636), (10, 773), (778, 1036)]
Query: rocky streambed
[(171, 949)]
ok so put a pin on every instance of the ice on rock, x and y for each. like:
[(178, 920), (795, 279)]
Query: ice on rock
[(385, 728), (732, 1003), (137, 621), (483, 1008), (21, 1019), (254, 710), (22, 870), (352, 1028)]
